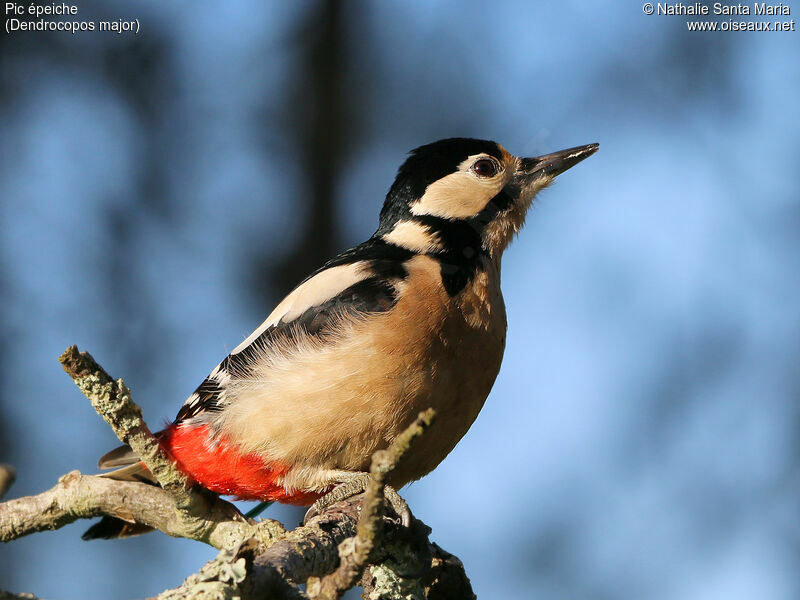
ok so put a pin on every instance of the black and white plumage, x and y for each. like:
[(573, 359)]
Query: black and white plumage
[(410, 319), (360, 281)]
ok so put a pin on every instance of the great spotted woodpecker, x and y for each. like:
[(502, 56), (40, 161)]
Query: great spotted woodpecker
[(410, 319)]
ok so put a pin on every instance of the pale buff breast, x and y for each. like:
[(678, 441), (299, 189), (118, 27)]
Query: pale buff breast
[(326, 406)]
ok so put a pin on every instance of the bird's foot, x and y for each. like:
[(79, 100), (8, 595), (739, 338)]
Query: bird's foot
[(399, 505), (354, 486)]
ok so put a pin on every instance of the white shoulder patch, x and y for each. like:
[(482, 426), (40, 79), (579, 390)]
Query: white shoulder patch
[(320, 288), (414, 236)]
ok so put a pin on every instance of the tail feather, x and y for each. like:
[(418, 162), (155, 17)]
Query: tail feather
[(112, 528), (118, 457), (135, 472), (131, 469)]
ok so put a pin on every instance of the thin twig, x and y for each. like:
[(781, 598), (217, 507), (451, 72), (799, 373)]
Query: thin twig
[(112, 401), (356, 552), (197, 515)]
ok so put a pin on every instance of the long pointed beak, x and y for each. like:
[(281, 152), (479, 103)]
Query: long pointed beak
[(555, 163)]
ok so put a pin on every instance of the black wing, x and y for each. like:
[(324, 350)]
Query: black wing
[(372, 270)]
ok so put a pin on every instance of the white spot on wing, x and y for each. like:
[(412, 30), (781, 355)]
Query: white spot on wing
[(192, 400), (220, 375)]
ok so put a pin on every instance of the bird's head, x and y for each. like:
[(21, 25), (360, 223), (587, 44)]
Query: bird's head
[(468, 191)]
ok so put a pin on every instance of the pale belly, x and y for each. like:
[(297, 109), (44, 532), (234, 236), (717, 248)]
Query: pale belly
[(327, 407)]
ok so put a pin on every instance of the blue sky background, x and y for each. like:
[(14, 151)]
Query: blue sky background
[(641, 440)]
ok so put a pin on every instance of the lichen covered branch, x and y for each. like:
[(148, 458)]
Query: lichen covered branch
[(329, 554), (356, 552), (77, 496), (112, 401)]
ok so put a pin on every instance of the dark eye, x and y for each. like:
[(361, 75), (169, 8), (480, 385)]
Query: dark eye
[(485, 168)]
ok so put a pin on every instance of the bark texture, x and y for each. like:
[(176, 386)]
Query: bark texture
[(350, 542)]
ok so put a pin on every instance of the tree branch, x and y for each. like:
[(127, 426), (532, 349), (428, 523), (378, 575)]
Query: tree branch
[(196, 515), (356, 552), (77, 496), (409, 566), (258, 559), (112, 401)]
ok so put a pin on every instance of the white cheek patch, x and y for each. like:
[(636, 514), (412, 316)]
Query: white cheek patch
[(459, 195), (320, 288)]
